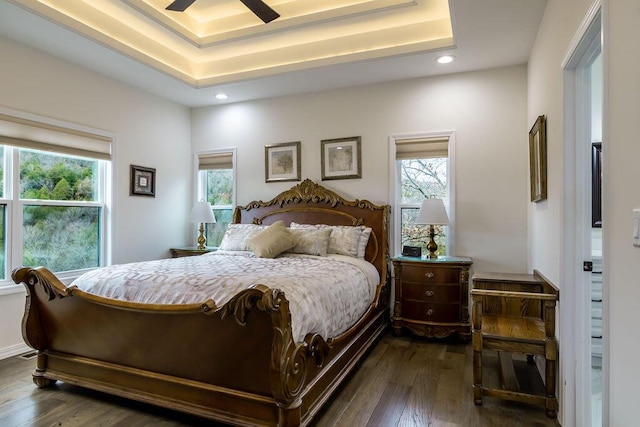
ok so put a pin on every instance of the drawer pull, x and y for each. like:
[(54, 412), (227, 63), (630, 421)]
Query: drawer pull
[(429, 293), (430, 312), (429, 275)]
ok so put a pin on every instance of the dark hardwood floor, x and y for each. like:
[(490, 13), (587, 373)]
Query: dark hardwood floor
[(404, 381)]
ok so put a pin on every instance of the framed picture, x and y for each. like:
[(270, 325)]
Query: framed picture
[(341, 158), (143, 181), (282, 162), (538, 159), (596, 185)]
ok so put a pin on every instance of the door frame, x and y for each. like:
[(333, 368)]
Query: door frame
[(576, 218)]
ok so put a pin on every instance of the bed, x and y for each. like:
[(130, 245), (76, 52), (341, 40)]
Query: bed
[(239, 362)]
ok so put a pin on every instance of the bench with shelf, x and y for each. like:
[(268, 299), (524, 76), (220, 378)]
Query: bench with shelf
[(515, 313)]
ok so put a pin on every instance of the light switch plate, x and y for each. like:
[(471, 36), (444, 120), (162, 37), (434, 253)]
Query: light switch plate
[(636, 227)]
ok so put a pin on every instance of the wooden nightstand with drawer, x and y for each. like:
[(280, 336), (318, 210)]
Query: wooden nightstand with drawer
[(432, 296), (190, 251)]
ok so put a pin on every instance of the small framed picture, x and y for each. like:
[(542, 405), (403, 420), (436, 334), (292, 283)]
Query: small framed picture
[(143, 181), (282, 162), (538, 159), (341, 158)]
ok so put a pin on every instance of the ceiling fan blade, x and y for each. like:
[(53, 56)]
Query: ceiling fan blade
[(180, 5), (261, 10)]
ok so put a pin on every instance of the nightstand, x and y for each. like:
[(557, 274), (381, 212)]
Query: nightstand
[(432, 296), (190, 251)]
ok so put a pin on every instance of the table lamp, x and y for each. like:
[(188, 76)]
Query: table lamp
[(432, 213), (202, 213)]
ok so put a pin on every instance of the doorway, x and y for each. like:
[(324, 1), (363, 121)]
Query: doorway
[(583, 79)]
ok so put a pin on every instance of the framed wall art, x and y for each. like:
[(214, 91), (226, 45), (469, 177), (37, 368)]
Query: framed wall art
[(143, 181), (282, 162), (538, 159), (341, 158), (596, 185)]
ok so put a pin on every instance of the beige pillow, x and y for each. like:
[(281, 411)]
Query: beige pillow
[(272, 241), (236, 236), (344, 239), (311, 241)]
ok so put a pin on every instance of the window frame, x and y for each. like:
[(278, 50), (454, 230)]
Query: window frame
[(14, 205), (200, 187), (395, 185)]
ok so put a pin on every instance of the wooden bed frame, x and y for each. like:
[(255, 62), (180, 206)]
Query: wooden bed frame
[(237, 363)]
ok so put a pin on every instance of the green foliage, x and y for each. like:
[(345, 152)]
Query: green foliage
[(220, 186), (219, 191), (214, 232), (45, 176), (62, 238)]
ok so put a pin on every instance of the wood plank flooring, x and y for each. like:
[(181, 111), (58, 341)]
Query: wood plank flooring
[(404, 381)]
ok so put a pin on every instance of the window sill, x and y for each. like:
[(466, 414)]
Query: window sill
[(10, 288), (7, 287)]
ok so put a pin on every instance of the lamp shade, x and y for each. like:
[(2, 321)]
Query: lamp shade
[(432, 212), (202, 212)]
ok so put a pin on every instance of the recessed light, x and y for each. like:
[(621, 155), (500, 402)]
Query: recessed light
[(445, 59), (221, 96)]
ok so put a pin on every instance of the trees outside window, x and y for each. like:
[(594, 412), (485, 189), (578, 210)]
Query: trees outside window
[(422, 178), (218, 188), (216, 184), (58, 202)]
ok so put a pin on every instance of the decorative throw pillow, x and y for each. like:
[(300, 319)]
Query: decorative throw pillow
[(311, 241), (272, 241), (364, 240), (236, 236), (344, 239)]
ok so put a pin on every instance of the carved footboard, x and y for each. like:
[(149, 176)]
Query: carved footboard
[(237, 363)]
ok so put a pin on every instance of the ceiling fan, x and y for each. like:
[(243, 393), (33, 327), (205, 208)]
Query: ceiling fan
[(258, 7)]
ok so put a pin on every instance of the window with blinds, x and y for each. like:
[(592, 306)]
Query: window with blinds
[(422, 166), (216, 184), (52, 196)]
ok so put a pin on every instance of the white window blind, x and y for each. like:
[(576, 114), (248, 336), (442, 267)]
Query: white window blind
[(422, 148), (215, 161), (24, 133)]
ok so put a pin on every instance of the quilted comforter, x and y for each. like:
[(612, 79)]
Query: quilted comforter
[(327, 295)]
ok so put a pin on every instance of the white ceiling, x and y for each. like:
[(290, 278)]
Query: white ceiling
[(486, 34)]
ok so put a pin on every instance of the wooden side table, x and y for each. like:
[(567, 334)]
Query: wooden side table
[(432, 296), (190, 251)]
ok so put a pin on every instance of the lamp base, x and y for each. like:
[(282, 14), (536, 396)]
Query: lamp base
[(201, 239), (432, 246)]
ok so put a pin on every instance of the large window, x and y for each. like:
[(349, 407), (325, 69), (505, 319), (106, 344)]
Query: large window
[(52, 197), (422, 166), (61, 210), (216, 185)]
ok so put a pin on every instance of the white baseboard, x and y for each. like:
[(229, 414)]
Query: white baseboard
[(14, 350)]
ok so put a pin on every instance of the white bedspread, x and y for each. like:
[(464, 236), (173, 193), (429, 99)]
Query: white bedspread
[(327, 295)]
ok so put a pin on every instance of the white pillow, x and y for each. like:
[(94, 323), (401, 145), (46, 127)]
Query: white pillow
[(344, 239), (272, 241), (364, 240), (311, 241), (236, 236)]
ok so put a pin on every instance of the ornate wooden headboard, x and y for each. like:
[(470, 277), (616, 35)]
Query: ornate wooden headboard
[(311, 203)]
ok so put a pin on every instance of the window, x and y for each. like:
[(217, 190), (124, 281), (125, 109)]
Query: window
[(52, 197), (216, 184), (422, 170)]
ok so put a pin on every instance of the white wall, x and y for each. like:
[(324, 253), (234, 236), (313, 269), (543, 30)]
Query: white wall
[(621, 67), (487, 110), (622, 195), (150, 132)]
